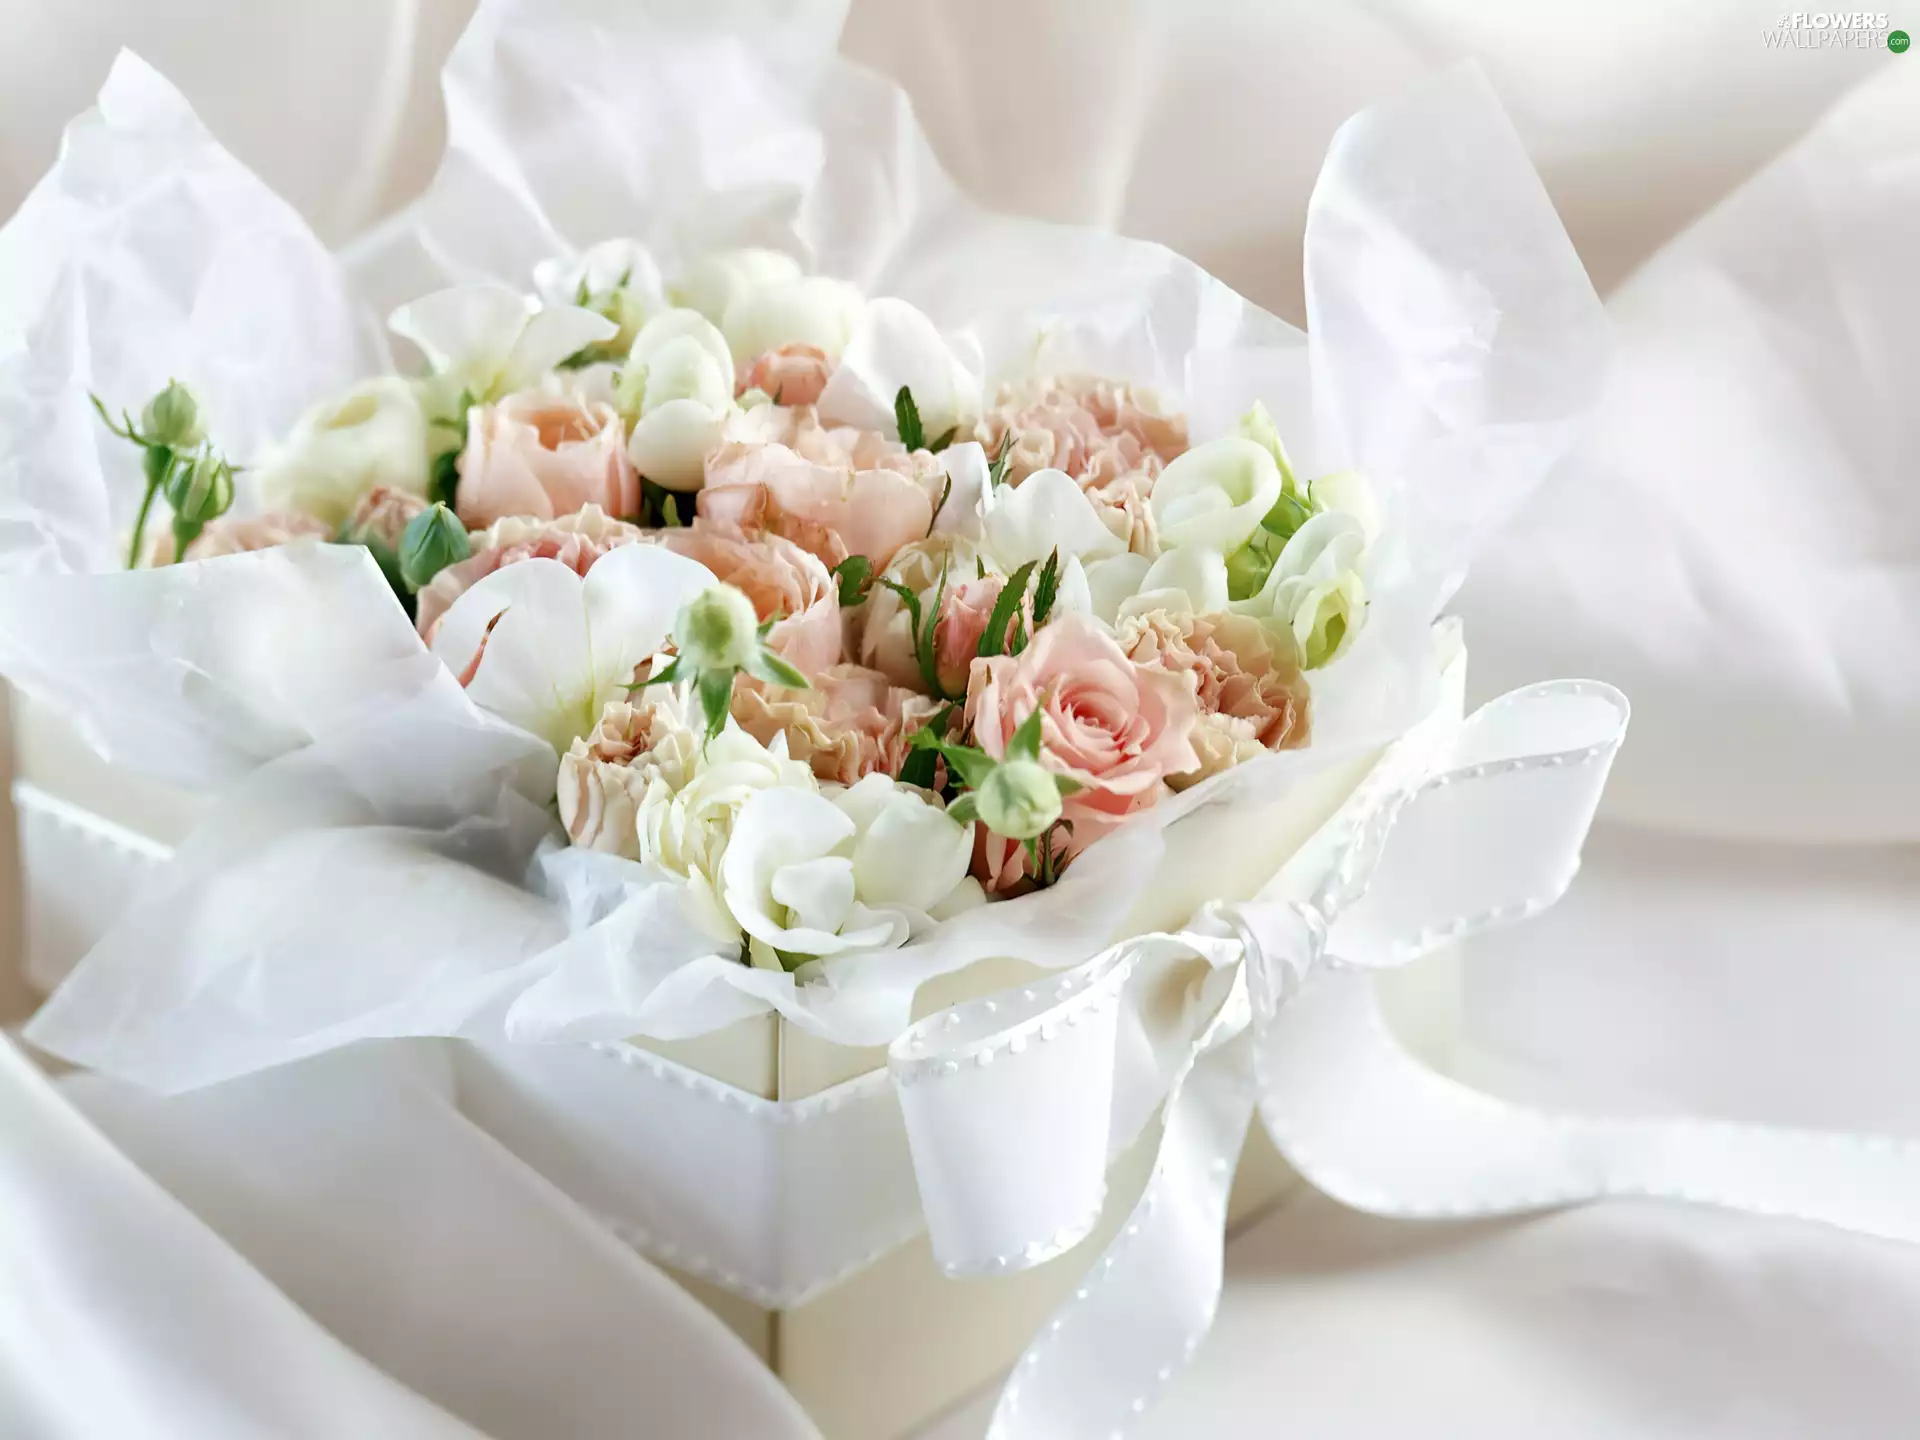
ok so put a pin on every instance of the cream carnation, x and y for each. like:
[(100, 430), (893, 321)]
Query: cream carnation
[(851, 723), (781, 579), (1245, 675), (606, 776)]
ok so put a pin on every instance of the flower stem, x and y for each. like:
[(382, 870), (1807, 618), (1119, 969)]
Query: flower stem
[(140, 524)]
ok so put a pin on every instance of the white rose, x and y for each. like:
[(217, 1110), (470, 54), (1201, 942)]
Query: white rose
[(689, 831), (676, 389), (1315, 587), (616, 278), (374, 435), (715, 282), (812, 310), (1216, 495), (807, 876)]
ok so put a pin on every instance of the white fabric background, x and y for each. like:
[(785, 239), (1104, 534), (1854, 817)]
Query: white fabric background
[(1739, 547)]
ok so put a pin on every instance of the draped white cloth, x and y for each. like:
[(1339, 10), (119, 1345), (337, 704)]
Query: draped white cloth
[(1737, 548)]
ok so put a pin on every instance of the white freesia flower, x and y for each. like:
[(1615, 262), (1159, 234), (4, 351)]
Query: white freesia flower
[(375, 434), (1049, 510), (488, 341), (894, 345), (713, 283), (616, 278), (690, 831), (1315, 587), (1215, 495), (807, 876), (812, 310), (676, 389), (545, 648)]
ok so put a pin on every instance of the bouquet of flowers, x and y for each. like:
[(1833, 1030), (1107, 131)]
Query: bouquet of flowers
[(609, 641)]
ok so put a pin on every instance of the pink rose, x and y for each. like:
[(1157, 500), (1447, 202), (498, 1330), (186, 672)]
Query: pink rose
[(1116, 728), (780, 579), (963, 620), (1245, 675), (381, 516), (853, 722), (792, 375), (576, 541), (234, 534), (544, 455)]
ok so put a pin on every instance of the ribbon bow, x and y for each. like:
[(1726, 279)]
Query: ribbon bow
[(1015, 1105)]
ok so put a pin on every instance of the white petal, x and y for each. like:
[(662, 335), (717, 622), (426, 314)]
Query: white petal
[(775, 829), (548, 338), (1112, 582), (1026, 521), (813, 311), (537, 669), (469, 327), (913, 855), (966, 468), (893, 344), (1351, 492), (670, 445), (1191, 581), (817, 894), (631, 595)]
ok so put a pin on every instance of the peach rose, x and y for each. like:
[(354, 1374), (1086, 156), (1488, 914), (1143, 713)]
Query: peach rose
[(883, 636), (605, 776), (792, 375), (235, 534), (381, 516), (544, 455), (576, 541), (780, 579), (1116, 728), (1004, 867), (853, 722), (1246, 676)]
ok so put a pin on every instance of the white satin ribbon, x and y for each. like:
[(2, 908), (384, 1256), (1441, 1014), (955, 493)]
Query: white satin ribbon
[(1011, 1112)]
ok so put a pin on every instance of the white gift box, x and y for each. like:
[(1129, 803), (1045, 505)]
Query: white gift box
[(767, 1169)]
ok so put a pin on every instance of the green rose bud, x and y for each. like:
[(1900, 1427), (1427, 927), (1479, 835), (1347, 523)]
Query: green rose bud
[(172, 419), (1249, 566), (717, 630), (199, 489), (433, 540), (1019, 799)]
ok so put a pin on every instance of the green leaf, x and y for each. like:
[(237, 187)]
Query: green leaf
[(666, 675), (939, 505), (855, 574), (997, 469), (581, 294), (944, 441), (906, 416), (924, 649), (716, 697), (1024, 743), (1046, 589), (923, 751), (125, 431), (767, 666), (670, 511), (964, 809), (910, 600), (993, 641), (580, 359), (1019, 640)]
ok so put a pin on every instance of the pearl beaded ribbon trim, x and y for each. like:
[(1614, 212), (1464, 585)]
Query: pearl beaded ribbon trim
[(1009, 1101)]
